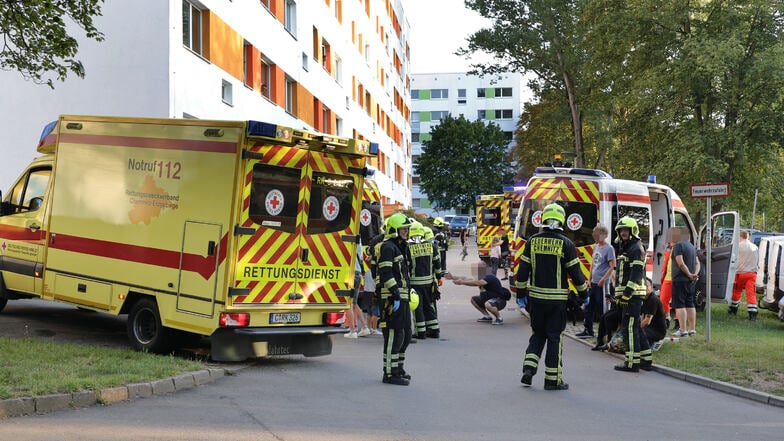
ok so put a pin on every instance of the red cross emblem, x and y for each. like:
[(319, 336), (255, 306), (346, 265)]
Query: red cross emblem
[(274, 202), (331, 208), (575, 222), (365, 217), (538, 218)]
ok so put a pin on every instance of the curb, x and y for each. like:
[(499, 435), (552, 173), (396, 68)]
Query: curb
[(42, 404), (721, 386)]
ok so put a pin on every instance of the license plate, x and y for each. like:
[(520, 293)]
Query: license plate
[(285, 318)]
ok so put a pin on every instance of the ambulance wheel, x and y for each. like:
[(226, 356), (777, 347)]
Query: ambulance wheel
[(145, 330), (3, 298)]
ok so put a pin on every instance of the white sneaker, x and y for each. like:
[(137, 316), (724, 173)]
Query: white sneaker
[(364, 332), (657, 345), (352, 334), (376, 332)]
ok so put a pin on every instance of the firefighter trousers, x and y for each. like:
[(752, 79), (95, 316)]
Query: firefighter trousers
[(638, 350), (396, 327), (426, 315), (548, 321)]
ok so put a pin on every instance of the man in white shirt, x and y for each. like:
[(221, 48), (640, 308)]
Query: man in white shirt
[(745, 277)]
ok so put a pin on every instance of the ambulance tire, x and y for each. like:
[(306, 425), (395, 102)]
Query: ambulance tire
[(3, 297), (145, 330)]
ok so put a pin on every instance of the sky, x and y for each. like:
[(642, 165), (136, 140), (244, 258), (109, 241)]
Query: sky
[(438, 29)]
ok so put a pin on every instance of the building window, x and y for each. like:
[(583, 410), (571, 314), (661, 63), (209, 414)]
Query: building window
[(338, 126), (291, 88), (266, 77), (415, 137), (290, 17), (414, 117), (305, 61), (481, 114), (480, 93), (509, 136), (191, 27), (325, 55), (326, 119), (503, 92), (338, 70), (367, 53), (505, 113), (415, 94), (226, 92), (438, 115), (461, 96), (265, 3), (247, 70), (439, 94)]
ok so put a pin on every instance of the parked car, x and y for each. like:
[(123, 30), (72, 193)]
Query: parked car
[(448, 219), (458, 224)]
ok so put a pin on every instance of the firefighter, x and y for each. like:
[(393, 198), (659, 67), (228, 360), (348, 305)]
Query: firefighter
[(394, 269), (441, 239), (630, 293), (426, 270), (547, 258)]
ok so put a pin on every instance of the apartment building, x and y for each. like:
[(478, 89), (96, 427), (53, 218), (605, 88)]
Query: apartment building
[(497, 99), (336, 66)]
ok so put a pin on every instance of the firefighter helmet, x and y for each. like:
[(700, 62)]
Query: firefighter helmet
[(429, 233), (630, 223), (416, 230), (553, 216), (439, 222), (413, 300), (394, 223)]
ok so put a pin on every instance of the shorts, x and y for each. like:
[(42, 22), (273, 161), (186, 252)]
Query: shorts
[(682, 294), (365, 300), (498, 303)]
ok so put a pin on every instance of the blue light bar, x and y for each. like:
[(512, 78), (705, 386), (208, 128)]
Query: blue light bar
[(373, 148), (47, 130), (258, 128)]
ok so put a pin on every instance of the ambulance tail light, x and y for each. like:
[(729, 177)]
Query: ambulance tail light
[(332, 318), (234, 320), (258, 128)]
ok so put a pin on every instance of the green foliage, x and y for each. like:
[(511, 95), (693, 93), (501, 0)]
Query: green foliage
[(687, 91), (539, 37), (34, 367), (36, 42), (461, 160)]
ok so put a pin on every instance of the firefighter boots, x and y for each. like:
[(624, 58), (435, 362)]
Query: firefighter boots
[(753, 316), (551, 385), (732, 310), (528, 376), (391, 379)]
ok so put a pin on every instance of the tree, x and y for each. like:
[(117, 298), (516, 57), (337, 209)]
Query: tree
[(542, 37), (461, 160), (35, 39), (694, 88)]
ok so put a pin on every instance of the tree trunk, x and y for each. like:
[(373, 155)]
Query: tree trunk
[(577, 123)]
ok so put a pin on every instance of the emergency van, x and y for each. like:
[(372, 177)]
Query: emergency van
[(242, 231), (493, 212), (590, 197)]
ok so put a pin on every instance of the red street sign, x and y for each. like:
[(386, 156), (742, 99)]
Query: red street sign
[(720, 189)]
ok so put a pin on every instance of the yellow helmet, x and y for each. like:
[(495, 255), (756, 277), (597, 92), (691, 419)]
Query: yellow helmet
[(413, 300), (428, 233), (630, 223), (416, 230), (439, 222), (553, 216), (395, 222)]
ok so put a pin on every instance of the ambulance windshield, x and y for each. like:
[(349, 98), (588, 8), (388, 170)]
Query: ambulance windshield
[(581, 217)]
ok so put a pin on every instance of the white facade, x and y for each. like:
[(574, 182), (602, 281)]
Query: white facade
[(497, 98), (145, 68)]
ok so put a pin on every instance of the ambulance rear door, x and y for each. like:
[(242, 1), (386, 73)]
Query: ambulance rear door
[(725, 232), (297, 231)]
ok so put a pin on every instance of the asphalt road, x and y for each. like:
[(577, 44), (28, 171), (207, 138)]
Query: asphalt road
[(464, 387)]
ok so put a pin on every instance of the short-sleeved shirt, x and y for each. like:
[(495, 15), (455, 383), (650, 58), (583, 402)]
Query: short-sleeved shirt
[(492, 289), (689, 255), (602, 256), (653, 306)]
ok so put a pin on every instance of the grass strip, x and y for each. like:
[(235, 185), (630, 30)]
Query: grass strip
[(33, 367), (741, 352)]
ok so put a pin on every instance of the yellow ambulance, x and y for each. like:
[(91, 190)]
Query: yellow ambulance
[(242, 231)]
